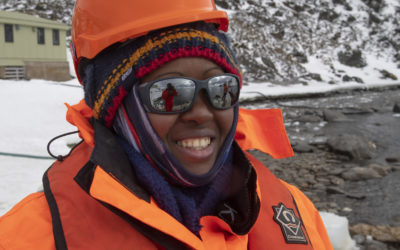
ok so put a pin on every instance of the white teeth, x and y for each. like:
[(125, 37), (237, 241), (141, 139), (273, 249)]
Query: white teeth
[(195, 143)]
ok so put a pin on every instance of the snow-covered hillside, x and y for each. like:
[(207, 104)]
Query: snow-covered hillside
[(302, 41), (278, 40)]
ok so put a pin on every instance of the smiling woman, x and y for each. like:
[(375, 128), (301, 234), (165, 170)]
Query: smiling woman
[(159, 160)]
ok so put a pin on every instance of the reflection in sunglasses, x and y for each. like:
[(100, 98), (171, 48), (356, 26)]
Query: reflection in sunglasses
[(168, 95), (177, 94)]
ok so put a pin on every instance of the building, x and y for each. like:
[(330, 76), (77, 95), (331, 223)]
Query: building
[(32, 47)]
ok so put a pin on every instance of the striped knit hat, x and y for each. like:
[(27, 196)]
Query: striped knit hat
[(111, 74)]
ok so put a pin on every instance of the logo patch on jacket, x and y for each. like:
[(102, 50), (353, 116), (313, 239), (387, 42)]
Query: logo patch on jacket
[(290, 224)]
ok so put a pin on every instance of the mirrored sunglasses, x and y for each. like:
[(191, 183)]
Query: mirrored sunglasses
[(177, 94)]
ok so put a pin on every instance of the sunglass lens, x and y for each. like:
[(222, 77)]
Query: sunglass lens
[(172, 95), (223, 91)]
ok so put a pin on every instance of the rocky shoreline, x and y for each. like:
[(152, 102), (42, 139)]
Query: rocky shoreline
[(347, 159)]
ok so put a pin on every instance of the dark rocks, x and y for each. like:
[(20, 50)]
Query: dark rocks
[(302, 147), (396, 107), (222, 4), (336, 180), (373, 171), (331, 82), (299, 57), (352, 58), (336, 190), (268, 62), (358, 110), (347, 78), (375, 5), (380, 232), (360, 173), (373, 18), (396, 167), (387, 75), (397, 56), (382, 170), (372, 244), (328, 15), (358, 148), (344, 3), (315, 76), (334, 116), (393, 159), (279, 34), (351, 19), (309, 118)]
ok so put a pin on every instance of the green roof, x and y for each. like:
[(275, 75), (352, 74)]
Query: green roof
[(29, 20)]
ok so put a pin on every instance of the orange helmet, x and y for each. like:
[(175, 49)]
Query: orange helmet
[(97, 24)]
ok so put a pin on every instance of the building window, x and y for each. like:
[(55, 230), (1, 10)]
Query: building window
[(8, 33), (56, 37), (40, 35)]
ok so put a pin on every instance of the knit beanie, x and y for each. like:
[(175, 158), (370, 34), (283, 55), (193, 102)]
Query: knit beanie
[(109, 77)]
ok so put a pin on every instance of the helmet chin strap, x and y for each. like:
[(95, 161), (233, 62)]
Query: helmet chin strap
[(133, 124)]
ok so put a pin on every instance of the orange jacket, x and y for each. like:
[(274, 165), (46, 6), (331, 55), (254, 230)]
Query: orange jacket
[(87, 204)]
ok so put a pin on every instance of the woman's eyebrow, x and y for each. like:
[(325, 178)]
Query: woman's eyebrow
[(167, 73), (213, 68)]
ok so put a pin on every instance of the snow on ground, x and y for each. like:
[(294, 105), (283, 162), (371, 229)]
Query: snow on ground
[(34, 112), (256, 90), (371, 76), (338, 231)]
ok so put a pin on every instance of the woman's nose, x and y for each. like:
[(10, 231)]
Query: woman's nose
[(201, 110)]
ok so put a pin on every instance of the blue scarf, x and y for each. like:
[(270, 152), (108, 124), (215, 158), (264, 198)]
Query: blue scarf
[(185, 204)]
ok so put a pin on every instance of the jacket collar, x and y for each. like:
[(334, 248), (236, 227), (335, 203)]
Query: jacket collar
[(108, 154)]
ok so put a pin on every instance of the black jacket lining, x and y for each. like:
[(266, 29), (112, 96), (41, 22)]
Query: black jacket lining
[(106, 146), (84, 178), (245, 200)]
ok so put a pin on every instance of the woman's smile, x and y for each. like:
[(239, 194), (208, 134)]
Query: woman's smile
[(195, 143), (196, 149)]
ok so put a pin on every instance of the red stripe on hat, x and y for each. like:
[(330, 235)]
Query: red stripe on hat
[(188, 52), (116, 102)]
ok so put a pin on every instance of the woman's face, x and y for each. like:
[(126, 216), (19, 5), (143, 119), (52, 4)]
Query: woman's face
[(195, 137)]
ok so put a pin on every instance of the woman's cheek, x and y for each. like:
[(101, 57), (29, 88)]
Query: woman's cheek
[(162, 124)]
